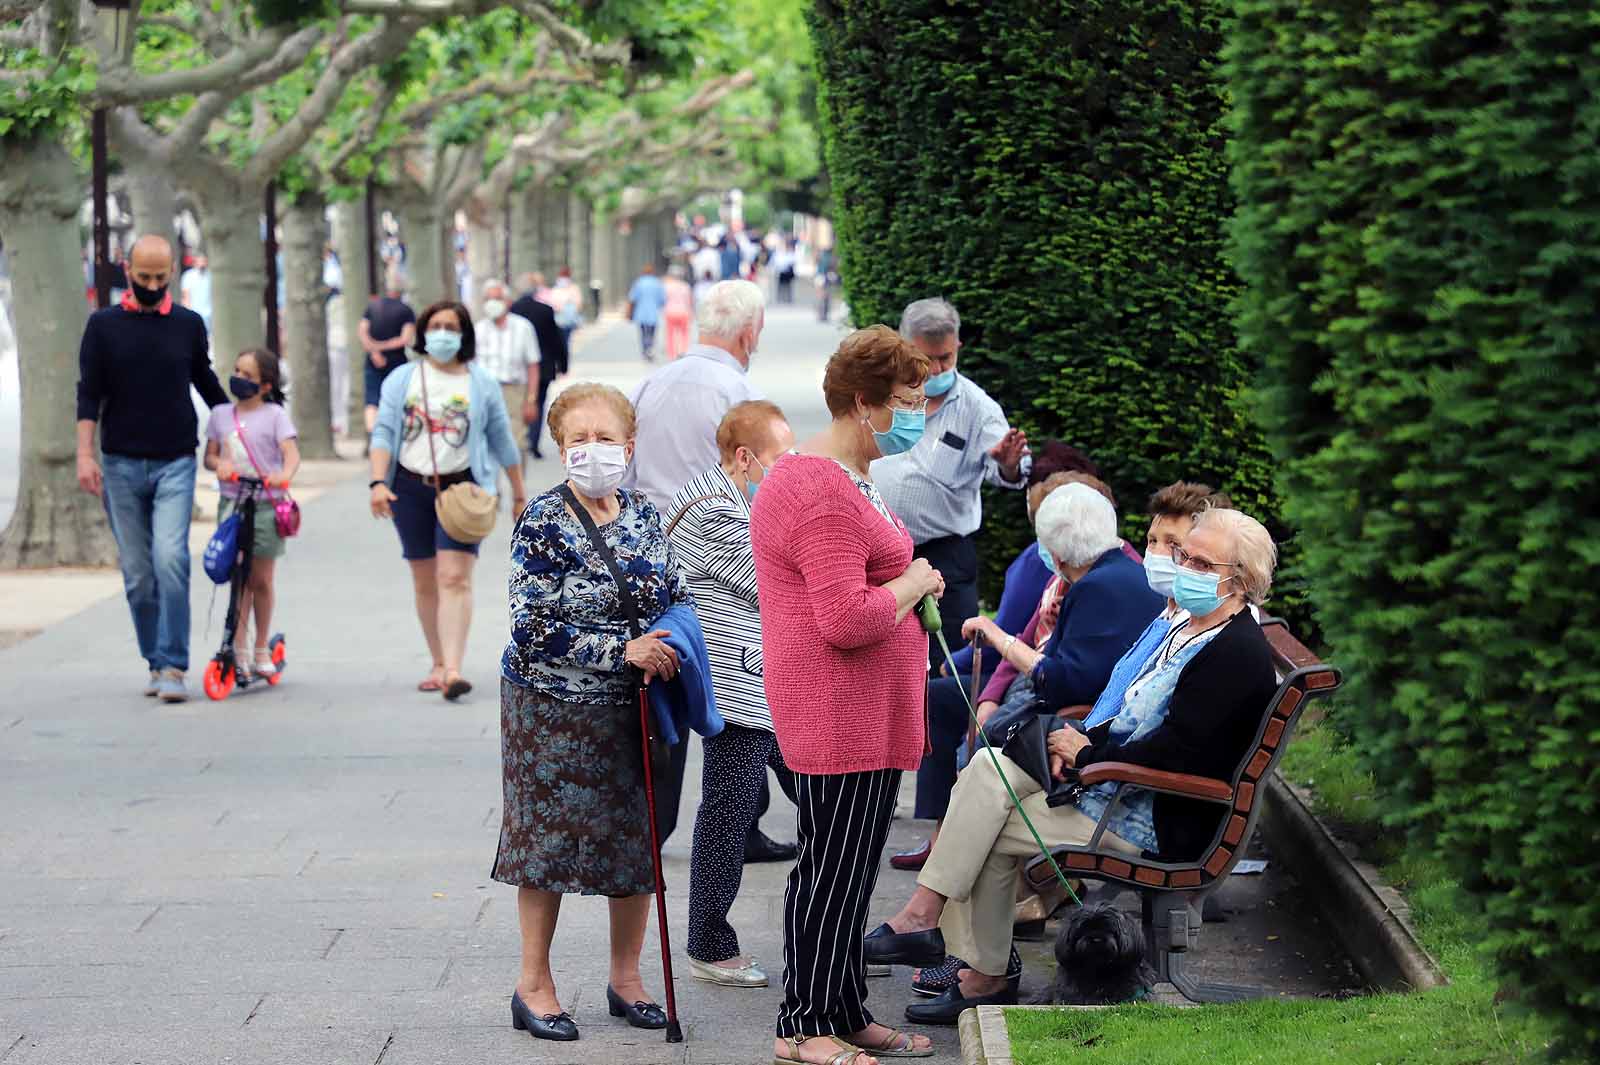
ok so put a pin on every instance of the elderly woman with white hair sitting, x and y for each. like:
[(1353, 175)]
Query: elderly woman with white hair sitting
[(1193, 708)]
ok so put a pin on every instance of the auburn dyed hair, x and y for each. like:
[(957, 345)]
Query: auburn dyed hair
[(747, 425), (870, 363)]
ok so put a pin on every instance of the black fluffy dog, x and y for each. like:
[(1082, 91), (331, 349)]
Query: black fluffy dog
[(1100, 957)]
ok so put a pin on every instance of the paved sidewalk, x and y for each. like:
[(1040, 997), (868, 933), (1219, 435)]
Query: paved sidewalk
[(300, 874)]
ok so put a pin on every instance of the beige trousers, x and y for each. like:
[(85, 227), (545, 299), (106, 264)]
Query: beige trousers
[(974, 864)]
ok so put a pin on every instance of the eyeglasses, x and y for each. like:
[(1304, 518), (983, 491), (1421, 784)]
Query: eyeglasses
[(1199, 565), (916, 406)]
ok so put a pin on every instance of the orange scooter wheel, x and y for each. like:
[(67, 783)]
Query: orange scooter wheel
[(219, 680), (278, 652)]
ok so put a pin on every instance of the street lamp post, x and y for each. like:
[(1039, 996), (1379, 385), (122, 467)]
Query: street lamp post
[(113, 17), (270, 209)]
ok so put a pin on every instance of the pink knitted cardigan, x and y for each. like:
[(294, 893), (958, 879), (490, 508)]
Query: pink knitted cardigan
[(845, 682)]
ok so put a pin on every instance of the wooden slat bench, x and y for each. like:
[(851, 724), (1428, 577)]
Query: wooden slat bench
[(1172, 892)]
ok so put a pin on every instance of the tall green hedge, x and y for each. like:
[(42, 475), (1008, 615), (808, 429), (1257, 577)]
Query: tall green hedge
[(1420, 236), (1058, 172)]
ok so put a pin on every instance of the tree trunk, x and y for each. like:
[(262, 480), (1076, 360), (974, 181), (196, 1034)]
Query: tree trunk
[(231, 228), (553, 256), (304, 233), (431, 273), (580, 239), (481, 258), (55, 523), (154, 199), (525, 230), (350, 234)]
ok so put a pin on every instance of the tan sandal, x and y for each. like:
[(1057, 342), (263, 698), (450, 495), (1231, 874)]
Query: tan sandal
[(848, 1055), (897, 1044)]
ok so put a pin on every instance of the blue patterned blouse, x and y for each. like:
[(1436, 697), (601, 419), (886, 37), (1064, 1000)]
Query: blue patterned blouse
[(568, 629)]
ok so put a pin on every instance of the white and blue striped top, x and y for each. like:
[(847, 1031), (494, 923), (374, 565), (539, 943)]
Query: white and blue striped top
[(712, 545)]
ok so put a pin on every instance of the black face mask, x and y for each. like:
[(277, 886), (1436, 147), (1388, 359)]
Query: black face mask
[(242, 387), (147, 297)]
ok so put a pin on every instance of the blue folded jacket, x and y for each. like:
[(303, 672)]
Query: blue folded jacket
[(685, 702)]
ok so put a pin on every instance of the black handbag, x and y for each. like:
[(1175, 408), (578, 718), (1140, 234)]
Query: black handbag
[(1019, 730), (660, 751)]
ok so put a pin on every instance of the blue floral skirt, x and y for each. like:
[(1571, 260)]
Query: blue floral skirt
[(573, 819)]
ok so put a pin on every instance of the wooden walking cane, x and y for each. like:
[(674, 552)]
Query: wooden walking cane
[(674, 1031)]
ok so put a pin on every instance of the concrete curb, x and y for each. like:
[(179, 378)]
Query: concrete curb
[(1371, 919), (983, 1036)]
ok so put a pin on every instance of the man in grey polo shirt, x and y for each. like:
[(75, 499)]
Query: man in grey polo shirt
[(935, 488)]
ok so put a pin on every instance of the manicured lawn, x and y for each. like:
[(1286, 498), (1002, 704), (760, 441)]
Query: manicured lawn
[(1456, 1025)]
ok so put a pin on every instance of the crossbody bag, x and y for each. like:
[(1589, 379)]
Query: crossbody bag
[(285, 511), (465, 509)]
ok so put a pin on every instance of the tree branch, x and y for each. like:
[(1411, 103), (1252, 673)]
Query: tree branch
[(425, 111), (362, 138), (256, 62), (192, 128), (345, 64)]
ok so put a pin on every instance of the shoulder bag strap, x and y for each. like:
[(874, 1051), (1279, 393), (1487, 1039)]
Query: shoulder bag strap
[(697, 500), (238, 428), (630, 606), (427, 425)]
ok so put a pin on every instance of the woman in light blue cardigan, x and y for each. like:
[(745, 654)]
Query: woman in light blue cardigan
[(440, 420)]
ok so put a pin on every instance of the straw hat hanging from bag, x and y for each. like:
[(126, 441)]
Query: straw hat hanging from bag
[(465, 509)]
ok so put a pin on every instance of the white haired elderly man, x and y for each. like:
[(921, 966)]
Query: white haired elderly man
[(679, 408), (508, 349), (935, 485), (1194, 707)]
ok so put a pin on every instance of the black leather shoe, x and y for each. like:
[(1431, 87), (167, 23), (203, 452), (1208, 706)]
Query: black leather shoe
[(557, 1026), (758, 847), (921, 950), (640, 1014), (948, 1007)]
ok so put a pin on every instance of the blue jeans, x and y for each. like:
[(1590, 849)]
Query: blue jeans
[(150, 502)]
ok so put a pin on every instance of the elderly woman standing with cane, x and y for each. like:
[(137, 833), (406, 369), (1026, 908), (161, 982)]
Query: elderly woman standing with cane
[(574, 817), (845, 661)]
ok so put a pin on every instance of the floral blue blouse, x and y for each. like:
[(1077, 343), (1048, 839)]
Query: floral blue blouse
[(568, 629)]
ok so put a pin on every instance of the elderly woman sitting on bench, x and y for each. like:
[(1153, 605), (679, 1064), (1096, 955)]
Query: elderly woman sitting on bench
[(1193, 708)]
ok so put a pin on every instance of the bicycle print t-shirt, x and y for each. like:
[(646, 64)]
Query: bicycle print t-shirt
[(448, 417), (265, 430)]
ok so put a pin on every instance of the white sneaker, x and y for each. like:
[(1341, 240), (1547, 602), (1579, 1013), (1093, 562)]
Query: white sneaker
[(151, 689), (264, 666)]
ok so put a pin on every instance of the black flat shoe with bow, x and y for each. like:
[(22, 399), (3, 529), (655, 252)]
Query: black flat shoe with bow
[(557, 1026), (640, 1014)]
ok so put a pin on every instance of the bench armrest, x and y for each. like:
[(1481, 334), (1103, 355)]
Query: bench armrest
[(1186, 785), (1075, 713)]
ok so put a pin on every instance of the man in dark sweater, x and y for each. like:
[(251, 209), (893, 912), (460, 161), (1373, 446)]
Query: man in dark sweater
[(135, 365), (552, 351)]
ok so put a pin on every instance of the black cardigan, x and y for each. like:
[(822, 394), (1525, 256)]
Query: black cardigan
[(1209, 729)]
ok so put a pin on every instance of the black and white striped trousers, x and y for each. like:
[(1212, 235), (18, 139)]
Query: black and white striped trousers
[(843, 825)]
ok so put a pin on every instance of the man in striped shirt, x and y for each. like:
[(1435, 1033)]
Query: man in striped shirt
[(936, 487)]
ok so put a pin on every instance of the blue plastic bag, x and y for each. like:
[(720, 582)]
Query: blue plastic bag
[(222, 550)]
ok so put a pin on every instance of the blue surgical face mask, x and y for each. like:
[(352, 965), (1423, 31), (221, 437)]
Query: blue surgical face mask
[(940, 383), (904, 431), (442, 345), (1158, 572), (751, 486), (1197, 592), (1049, 559)]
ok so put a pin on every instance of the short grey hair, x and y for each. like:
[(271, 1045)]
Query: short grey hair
[(1254, 555), (930, 319), (731, 307), (1077, 525), (493, 282)]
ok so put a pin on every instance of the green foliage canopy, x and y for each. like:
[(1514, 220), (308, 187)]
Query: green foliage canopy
[(1058, 173), (1420, 234)]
